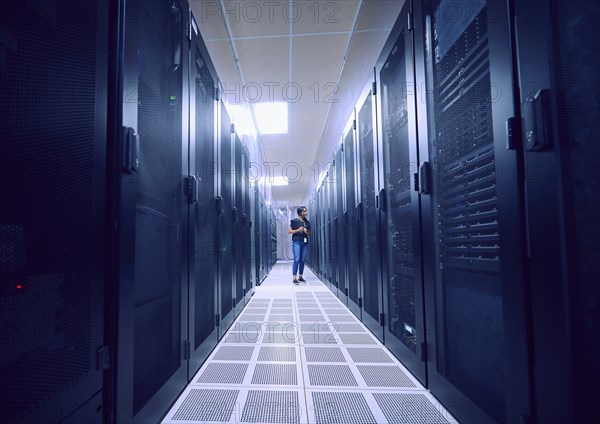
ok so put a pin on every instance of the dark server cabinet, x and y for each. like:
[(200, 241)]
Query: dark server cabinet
[(202, 332), (53, 218), (469, 182), (238, 226), (331, 246), (351, 228), (227, 218), (153, 212), (398, 202), (273, 237), (340, 242), (257, 235), (559, 80), (247, 227), (369, 292)]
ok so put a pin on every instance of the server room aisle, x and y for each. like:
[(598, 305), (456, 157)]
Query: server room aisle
[(296, 354)]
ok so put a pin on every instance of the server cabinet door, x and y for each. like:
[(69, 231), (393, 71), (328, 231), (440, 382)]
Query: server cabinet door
[(351, 228), (257, 239), (399, 202), (475, 295), (238, 225), (340, 226), (153, 212), (226, 224), (52, 220), (203, 335), (247, 228), (332, 231), (559, 70), (370, 281)]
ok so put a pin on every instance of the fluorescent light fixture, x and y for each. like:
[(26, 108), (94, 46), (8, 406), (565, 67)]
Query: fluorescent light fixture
[(279, 181), (272, 117)]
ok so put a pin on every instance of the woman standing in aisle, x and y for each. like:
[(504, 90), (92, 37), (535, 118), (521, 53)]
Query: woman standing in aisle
[(300, 230)]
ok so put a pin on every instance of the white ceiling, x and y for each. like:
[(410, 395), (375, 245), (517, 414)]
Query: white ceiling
[(313, 48)]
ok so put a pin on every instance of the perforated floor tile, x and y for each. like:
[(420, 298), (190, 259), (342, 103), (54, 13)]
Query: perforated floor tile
[(222, 373), (233, 353), (341, 318), (408, 408), (369, 355), (277, 354), (324, 354), (242, 337), (341, 408), (361, 339), (271, 406), (279, 337), (384, 376), (207, 405), (343, 327), (313, 337), (331, 376), (275, 374)]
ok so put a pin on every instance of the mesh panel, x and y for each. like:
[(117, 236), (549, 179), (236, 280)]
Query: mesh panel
[(341, 408), (357, 339), (331, 375), (384, 376), (49, 213), (324, 354), (277, 354), (271, 407), (207, 405), (369, 355), (221, 373), (275, 374), (408, 408), (233, 353)]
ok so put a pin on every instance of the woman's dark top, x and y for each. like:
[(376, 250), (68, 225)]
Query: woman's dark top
[(297, 223)]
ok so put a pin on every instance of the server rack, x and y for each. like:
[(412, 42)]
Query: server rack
[(238, 225), (203, 278), (152, 262), (331, 227), (558, 78), (53, 225), (272, 238), (227, 219), (351, 228), (247, 227), (475, 272), (399, 202), (340, 241)]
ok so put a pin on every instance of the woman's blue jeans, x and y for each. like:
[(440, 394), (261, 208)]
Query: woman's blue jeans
[(299, 249)]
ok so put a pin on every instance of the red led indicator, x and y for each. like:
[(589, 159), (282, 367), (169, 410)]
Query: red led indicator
[(19, 286)]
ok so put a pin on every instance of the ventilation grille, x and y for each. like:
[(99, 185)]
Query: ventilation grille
[(207, 405), (408, 408), (384, 376), (324, 354), (313, 337), (348, 328), (468, 211), (271, 407), (220, 373), (277, 354), (243, 337), (369, 355), (331, 375), (280, 337), (234, 353), (275, 374), (341, 318), (341, 408), (357, 339)]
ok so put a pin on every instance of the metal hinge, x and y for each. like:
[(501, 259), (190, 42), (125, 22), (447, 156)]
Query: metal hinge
[(423, 351), (219, 205), (233, 302), (217, 320), (360, 302), (187, 350), (513, 133), (410, 22), (103, 358), (232, 128), (382, 319), (217, 93), (374, 89), (354, 125)]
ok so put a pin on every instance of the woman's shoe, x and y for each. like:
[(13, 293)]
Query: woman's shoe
[(295, 281), (302, 280)]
